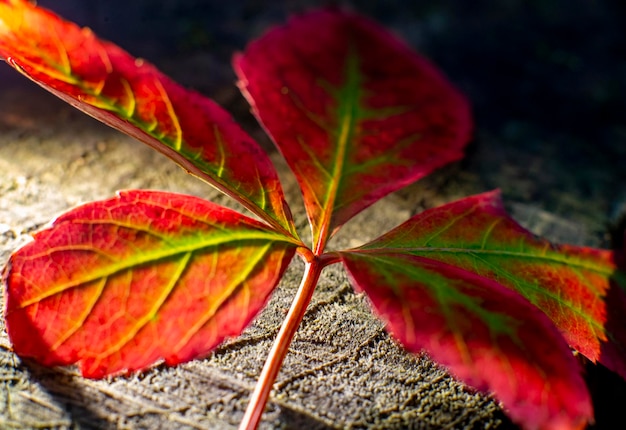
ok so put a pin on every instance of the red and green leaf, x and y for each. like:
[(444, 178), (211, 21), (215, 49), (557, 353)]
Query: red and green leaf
[(569, 284), (356, 113), (119, 284), (132, 96), (486, 334)]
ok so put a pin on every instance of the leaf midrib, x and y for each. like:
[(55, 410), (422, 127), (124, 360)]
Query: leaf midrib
[(347, 107), (575, 263), (144, 258), (512, 254)]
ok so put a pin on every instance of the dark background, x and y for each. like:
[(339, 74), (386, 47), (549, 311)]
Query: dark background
[(541, 61)]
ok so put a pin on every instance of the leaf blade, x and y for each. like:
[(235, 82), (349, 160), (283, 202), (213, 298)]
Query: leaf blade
[(132, 96), (569, 284), (119, 284), (349, 110), (471, 324)]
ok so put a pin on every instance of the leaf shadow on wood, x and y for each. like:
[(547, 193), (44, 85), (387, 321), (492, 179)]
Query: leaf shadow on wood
[(608, 392), (607, 388), (83, 409)]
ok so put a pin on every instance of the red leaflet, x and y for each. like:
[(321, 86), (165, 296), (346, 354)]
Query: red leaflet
[(118, 284), (354, 111), (135, 98), (570, 284), (485, 334)]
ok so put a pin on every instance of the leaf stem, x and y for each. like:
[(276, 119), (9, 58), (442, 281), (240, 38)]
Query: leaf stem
[(258, 400)]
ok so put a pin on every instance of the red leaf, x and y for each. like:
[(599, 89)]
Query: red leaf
[(132, 96), (568, 283), (487, 335), (354, 111), (118, 284)]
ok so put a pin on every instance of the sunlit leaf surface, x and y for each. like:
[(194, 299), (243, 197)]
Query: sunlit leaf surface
[(133, 96), (355, 112), (569, 284), (117, 285)]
